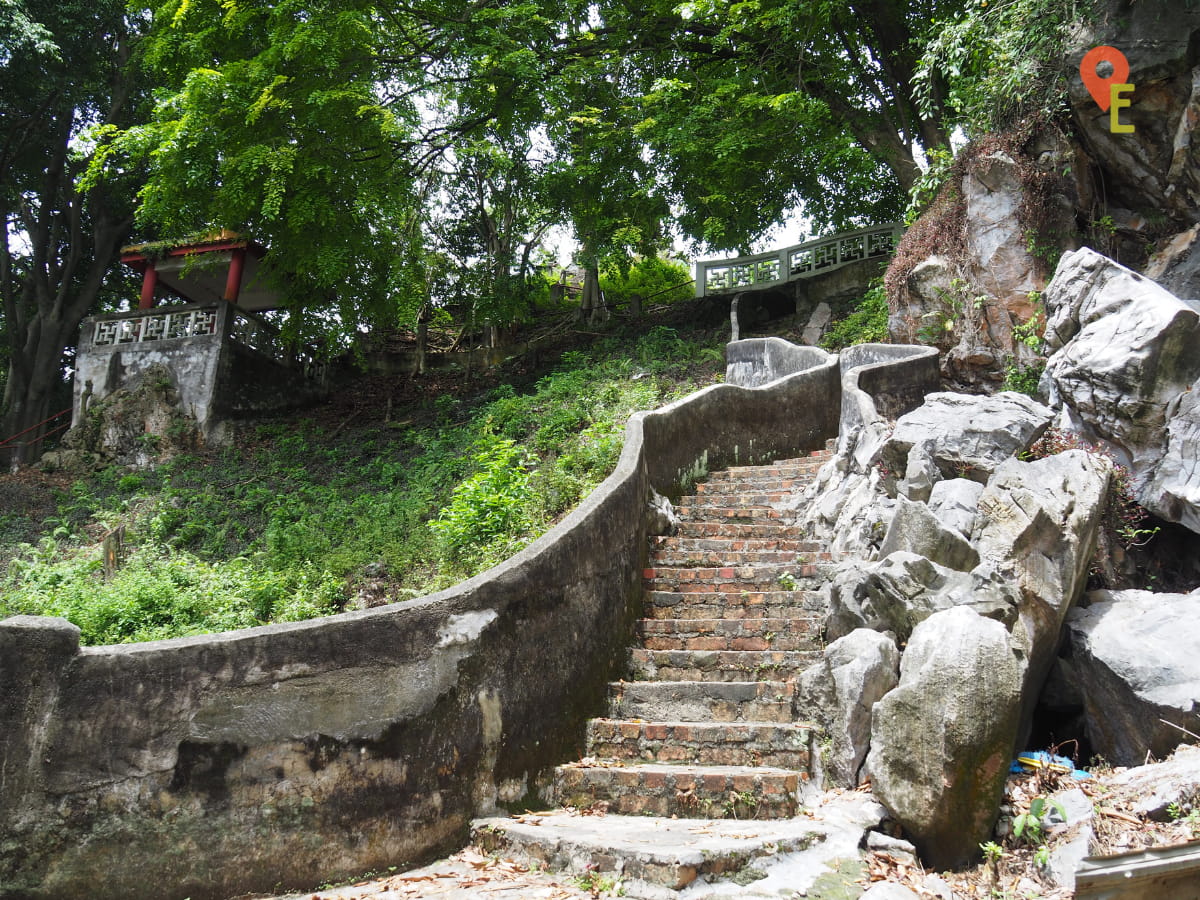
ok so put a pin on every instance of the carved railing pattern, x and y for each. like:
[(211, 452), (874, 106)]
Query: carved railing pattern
[(161, 325), (799, 261), (155, 326)]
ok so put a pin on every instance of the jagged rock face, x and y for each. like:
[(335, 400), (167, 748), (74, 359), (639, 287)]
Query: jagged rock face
[(1155, 169), (1134, 660), (1176, 265), (942, 740), (138, 425), (914, 528), (1125, 354), (966, 297), (903, 589), (855, 672)]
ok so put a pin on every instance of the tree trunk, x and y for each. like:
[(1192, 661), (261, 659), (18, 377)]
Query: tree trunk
[(591, 304)]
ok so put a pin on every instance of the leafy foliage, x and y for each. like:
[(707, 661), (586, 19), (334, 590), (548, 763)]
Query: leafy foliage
[(652, 278), (867, 324), (995, 63)]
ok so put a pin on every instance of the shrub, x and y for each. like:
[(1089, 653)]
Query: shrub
[(867, 324)]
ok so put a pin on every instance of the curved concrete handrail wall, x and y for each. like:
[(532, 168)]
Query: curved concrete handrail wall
[(757, 361), (279, 757), (883, 381)]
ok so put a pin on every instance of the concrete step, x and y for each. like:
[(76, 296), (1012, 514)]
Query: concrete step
[(730, 634), (702, 701), (699, 792), (707, 579), (782, 744), (740, 605), (715, 665), (649, 855)]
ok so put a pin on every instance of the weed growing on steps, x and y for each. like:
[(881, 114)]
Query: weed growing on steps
[(295, 521)]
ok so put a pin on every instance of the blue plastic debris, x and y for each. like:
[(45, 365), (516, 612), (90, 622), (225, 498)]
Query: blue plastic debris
[(1036, 760)]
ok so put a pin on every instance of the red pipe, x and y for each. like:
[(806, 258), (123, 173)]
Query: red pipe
[(9, 440)]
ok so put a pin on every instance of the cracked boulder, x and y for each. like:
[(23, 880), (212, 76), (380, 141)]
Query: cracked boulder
[(840, 690), (1134, 660), (1126, 354)]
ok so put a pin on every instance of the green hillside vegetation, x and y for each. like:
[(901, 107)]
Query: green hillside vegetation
[(302, 517)]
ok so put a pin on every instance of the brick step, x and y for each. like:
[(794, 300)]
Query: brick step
[(721, 558), (740, 605), (702, 701), (707, 579), (746, 497), (767, 484), (718, 544), (730, 634), (716, 665), (805, 468), (763, 528), (744, 515), (697, 558), (785, 745), (698, 792)]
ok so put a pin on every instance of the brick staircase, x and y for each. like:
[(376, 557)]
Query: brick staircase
[(706, 728)]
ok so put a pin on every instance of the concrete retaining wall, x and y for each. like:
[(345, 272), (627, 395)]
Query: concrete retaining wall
[(282, 756)]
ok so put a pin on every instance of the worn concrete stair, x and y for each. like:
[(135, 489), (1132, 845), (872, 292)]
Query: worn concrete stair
[(706, 728)]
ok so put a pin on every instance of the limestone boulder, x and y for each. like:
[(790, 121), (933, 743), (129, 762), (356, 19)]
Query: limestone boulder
[(839, 691), (915, 528), (1134, 655), (661, 518), (966, 434), (1038, 524), (1125, 355), (941, 742), (1171, 488)]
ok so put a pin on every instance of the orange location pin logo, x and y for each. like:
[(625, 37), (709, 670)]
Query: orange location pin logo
[(1099, 87)]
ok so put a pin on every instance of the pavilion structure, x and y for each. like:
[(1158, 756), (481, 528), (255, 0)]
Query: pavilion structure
[(197, 318)]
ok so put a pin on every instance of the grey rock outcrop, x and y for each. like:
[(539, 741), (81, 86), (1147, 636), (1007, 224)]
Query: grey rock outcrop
[(967, 434), (903, 589), (1125, 356), (661, 518), (942, 740), (1134, 657), (1176, 265), (916, 529), (840, 690), (955, 502), (1032, 530)]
